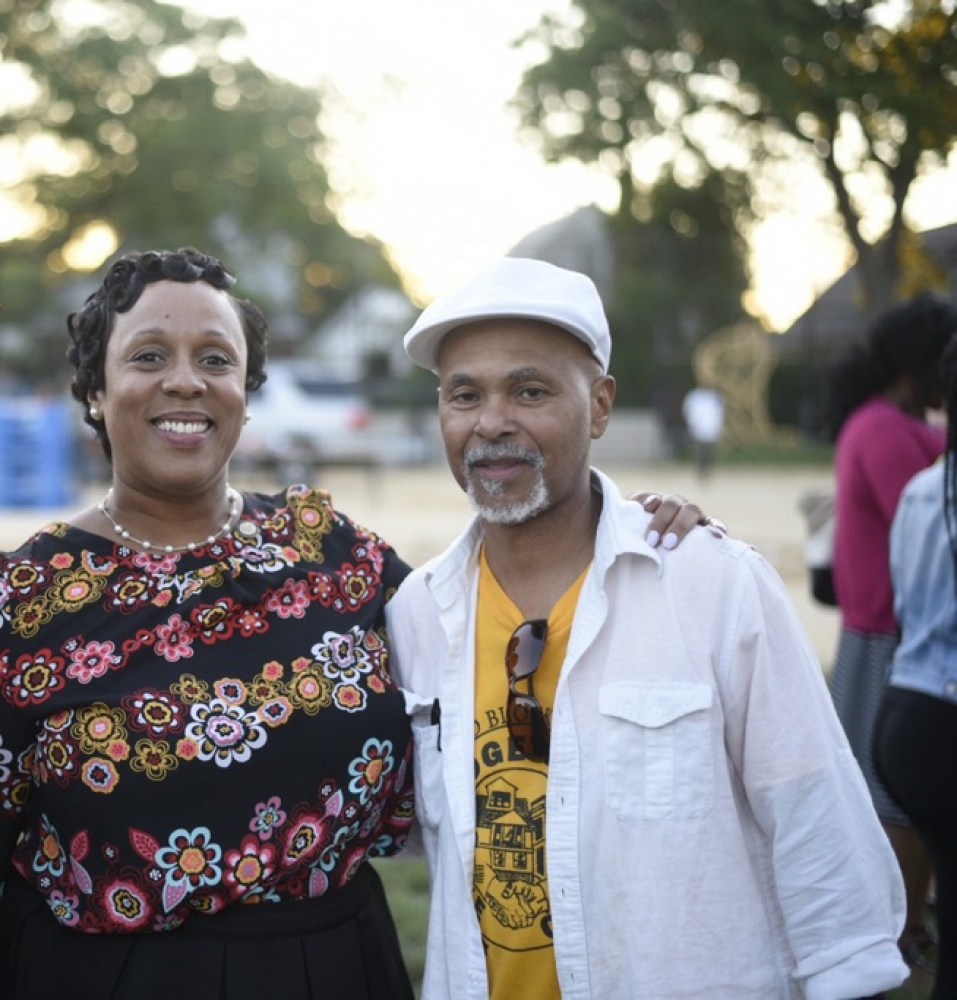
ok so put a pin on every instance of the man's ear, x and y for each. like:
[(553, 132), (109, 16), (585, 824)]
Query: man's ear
[(602, 399)]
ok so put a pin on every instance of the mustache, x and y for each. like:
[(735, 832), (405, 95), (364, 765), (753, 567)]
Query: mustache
[(493, 452)]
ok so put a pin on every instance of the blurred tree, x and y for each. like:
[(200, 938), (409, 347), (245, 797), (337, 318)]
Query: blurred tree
[(734, 89), (679, 275), (141, 125)]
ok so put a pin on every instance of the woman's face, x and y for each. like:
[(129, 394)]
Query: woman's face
[(174, 388)]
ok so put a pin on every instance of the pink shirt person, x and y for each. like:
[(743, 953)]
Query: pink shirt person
[(879, 450)]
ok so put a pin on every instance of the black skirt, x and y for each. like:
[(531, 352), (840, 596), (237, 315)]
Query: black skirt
[(341, 945)]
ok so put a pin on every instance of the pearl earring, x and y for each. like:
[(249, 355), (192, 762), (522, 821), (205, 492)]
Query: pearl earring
[(94, 413), (246, 419)]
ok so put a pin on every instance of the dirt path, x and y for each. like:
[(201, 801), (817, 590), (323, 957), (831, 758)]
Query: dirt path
[(420, 510)]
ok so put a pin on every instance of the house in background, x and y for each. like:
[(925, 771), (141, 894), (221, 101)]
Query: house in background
[(803, 353), (836, 319), (579, 242), (363, 339)]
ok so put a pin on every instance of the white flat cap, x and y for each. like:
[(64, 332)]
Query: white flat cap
[(515, 287)]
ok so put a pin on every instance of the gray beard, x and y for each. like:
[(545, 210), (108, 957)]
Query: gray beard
[(534, 503)]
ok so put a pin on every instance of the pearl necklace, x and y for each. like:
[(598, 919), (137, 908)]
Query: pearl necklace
[(235, 508)]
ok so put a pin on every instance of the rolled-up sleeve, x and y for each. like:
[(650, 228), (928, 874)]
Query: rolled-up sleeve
[(834, 874)]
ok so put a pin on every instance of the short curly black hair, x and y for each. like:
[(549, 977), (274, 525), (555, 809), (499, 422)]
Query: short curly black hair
[(907, 337), (90, 327)]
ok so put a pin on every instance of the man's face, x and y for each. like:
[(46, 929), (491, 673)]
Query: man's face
[(519, 404)]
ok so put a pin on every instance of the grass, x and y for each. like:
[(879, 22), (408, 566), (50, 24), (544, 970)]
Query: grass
[(407, 887)]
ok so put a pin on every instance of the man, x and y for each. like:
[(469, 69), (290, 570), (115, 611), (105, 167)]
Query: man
[(629, 776), (703, 412)]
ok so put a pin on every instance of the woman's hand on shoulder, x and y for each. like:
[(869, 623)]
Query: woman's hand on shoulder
[(673, 516)]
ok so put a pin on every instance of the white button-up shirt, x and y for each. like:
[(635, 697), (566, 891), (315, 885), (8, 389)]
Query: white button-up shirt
[(708, 833)]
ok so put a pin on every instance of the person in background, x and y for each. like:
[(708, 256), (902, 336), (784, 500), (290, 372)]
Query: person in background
[(879, 395), (629, 775), (915, 738), (201, 744), (703, 412)]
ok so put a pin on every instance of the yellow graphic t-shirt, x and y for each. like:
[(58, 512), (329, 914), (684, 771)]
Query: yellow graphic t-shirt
[(510, 884)]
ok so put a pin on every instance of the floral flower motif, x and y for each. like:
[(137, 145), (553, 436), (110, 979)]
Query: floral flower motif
[(66, 909), (50, 856), (6, 759), (157, 561), (127, 905), (26, 577), (249, 867), (225, 733), (73, 589), (370, 549), (61, 560), (230, 690), (187, 749), (118, 749), (251, 621), (28, 616), (153, 759), (129, 592), (97, 726), (371, 769), (190, 689), (323, 588), (59, 721), (35, 677), (272, 671), (310, 691), (92, 660), (173, 639), (215, 621), (350, 698), (269, 816), (290, 601), (275, 712), (191, 860), (155, 712), (264, 558), (342, 656), (376, 684), (357, 585), (305, 839), (56, 757), (99, 775), (343, 836), (262, 689)]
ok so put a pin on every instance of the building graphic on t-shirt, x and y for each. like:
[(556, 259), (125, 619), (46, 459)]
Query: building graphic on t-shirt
[(510, 832), (510, 862)]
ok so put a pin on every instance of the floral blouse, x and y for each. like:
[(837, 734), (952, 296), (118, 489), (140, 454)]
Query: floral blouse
[(183, 732)]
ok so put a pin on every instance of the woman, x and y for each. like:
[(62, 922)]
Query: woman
[(195, 706), (880, 394), (915, 741)]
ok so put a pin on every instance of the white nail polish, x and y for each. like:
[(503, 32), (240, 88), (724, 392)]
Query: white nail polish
[(652, 538), (671, 540)]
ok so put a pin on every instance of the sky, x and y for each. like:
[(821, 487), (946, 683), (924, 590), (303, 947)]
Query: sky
[(427, 156)]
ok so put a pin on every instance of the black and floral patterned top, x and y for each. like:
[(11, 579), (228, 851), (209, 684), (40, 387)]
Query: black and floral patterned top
[(183, 732)]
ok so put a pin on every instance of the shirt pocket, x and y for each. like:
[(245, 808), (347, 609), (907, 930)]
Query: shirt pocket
[(658, 749), (427, 763)]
